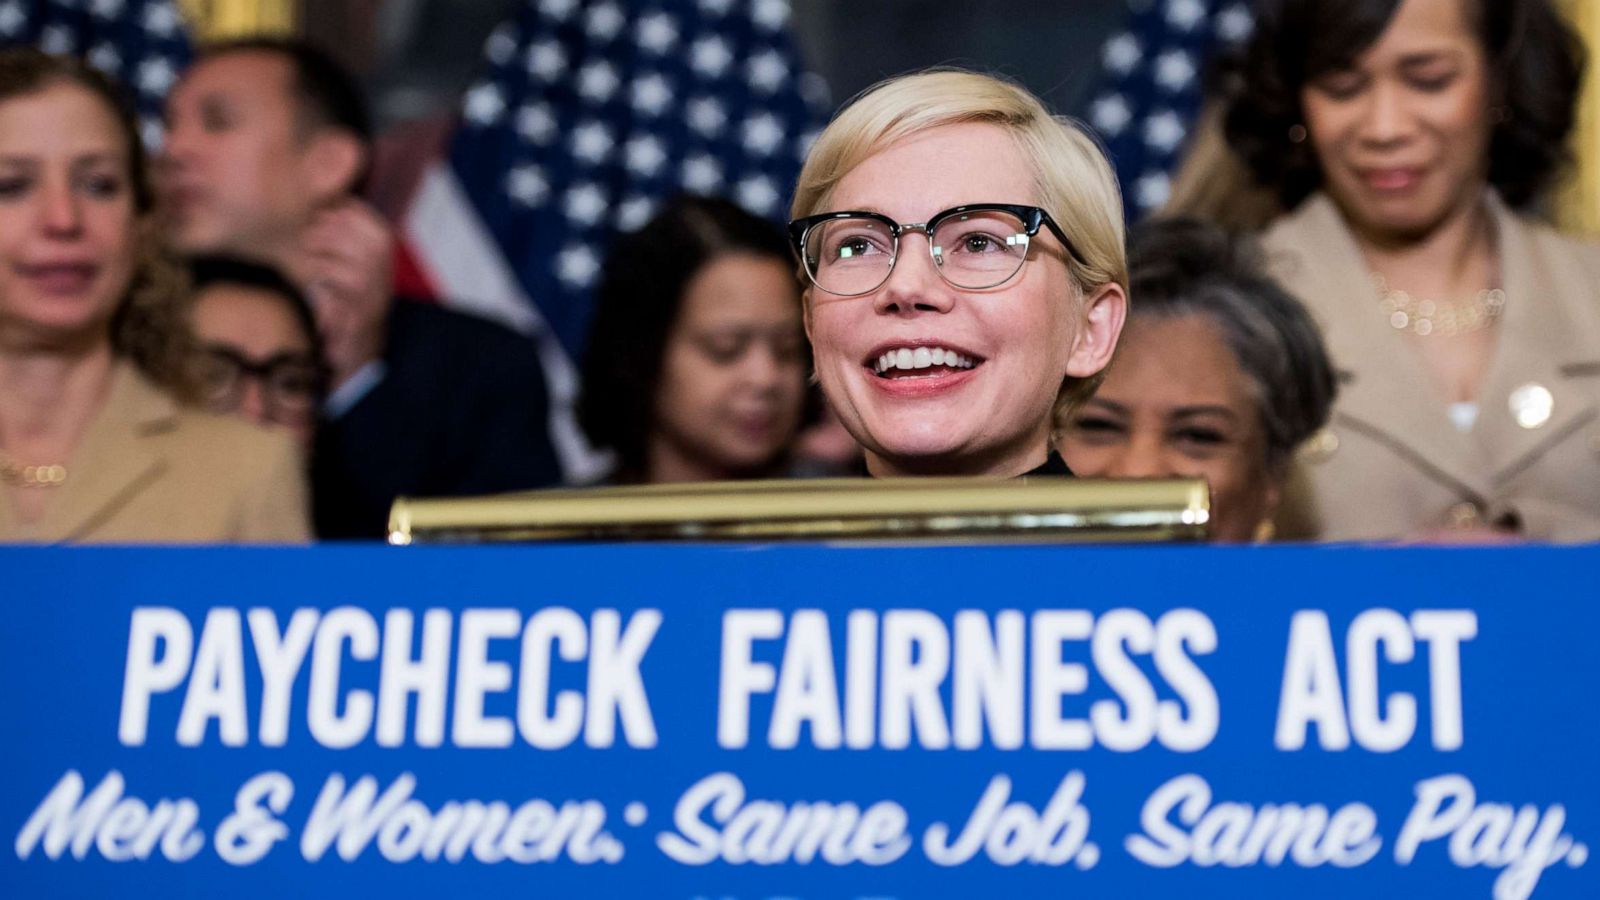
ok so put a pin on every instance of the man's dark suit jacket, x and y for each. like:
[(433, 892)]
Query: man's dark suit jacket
[(461, 410)]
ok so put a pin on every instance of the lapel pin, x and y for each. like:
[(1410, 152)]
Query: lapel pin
[(1532, 404)]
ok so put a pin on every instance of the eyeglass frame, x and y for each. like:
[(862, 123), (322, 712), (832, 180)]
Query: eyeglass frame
[(1032, 218), (261, 372)]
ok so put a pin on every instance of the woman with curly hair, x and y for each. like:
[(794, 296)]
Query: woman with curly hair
[(98, 442), (1409, 139)]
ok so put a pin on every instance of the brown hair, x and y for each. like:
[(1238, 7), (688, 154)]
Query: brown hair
[(150, 326)]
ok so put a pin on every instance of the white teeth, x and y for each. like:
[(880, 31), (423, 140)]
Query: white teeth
[(911, 358)]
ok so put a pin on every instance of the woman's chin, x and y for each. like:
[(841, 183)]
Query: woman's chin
[(919, 437), (931, 453)]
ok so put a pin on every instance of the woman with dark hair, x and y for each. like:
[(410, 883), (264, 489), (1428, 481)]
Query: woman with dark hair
[(696, 363), (261, 355), (1220, 375), (97, 438), (1409, 138)]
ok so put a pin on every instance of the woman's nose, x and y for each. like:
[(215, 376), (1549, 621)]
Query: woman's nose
[(914, 284), (253, 401), (764, 367), (63, 213), (1385, 118), (1140, 459)]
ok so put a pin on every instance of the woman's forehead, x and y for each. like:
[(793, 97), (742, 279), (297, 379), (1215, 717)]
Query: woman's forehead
[(61, 119), (1181, 357)]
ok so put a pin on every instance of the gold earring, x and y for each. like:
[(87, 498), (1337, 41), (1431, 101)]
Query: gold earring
[(1266, 530)]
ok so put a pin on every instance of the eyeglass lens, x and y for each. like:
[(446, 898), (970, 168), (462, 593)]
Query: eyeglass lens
[(289, 383), (974, 250)]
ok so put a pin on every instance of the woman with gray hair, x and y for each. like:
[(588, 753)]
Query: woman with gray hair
[(1221, 374)]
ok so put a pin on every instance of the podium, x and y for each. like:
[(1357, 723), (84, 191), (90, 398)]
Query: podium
[(849, 689), (958, 510)]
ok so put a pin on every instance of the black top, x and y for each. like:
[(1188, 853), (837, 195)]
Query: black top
[(1053, 465)]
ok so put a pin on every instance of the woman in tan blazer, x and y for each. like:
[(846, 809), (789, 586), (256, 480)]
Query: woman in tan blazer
[(95, 444), (1404, 134)]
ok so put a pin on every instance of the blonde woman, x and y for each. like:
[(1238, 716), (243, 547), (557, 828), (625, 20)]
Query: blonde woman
[(966, 273), (95, 442)]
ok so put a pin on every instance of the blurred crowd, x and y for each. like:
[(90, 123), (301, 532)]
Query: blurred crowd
[(1350, 320)]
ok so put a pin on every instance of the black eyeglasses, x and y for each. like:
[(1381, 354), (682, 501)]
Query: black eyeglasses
[(291, 383), (977, 246)]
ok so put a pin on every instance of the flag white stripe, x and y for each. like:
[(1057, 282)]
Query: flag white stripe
[(452, 244), (456, 248)]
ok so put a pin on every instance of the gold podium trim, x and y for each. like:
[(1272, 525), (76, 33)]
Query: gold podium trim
[(922, 509)]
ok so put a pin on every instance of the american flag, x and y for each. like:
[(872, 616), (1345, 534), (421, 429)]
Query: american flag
[(1152, 88), (143, 44), (589, 115)]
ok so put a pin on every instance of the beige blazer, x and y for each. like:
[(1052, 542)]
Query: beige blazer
[(1391, 462), (149, 471)]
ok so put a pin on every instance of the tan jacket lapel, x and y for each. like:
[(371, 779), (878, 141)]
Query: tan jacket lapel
[(1536, 341), (1384, 390), (116, 459)]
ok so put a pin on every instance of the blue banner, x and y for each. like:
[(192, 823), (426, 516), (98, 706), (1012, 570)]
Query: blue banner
[(763, 722)]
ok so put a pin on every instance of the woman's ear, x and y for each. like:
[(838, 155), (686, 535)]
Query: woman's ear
[(1104, 312)]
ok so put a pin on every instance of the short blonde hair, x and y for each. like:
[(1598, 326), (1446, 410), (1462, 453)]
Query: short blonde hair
[(1075, 182)]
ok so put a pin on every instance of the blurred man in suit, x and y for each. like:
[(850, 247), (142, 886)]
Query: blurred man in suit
[(268, 143)]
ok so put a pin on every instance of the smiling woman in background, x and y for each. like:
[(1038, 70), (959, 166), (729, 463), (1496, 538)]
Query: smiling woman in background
[(695, 368), (95, 443), (1405, 135), (967, 274), (1220, 375)]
